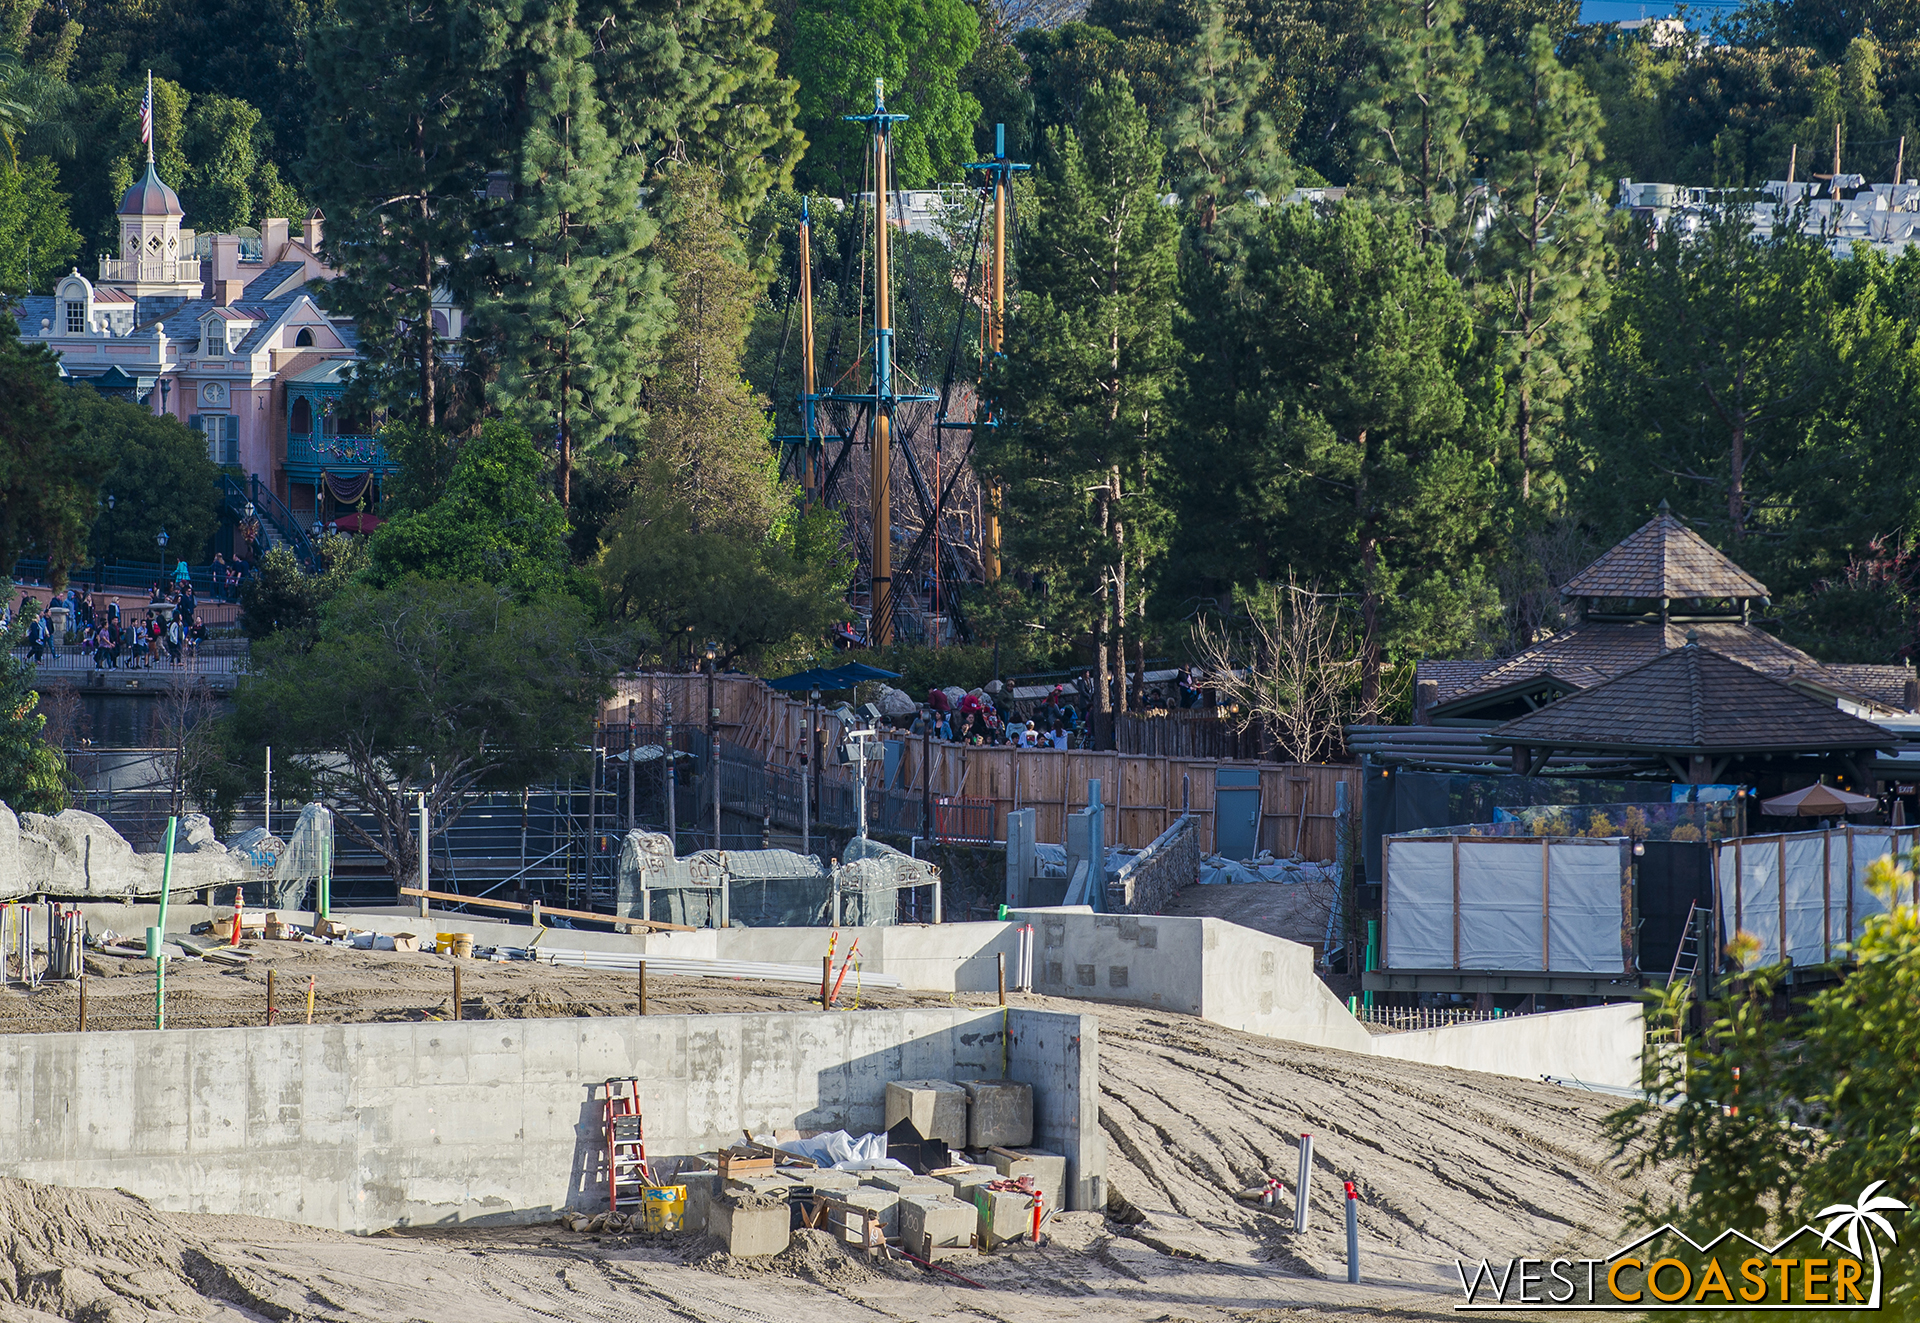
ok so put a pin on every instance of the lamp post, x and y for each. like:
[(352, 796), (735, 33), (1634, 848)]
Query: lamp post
[(713, 739), (100, 562)]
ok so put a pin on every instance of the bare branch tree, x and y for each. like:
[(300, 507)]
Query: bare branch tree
[(1297, 669)]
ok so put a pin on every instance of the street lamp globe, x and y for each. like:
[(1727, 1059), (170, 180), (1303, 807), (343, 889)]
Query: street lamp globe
[(161, 539)]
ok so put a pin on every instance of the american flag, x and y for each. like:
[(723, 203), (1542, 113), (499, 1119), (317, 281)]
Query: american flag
[(146, 114)]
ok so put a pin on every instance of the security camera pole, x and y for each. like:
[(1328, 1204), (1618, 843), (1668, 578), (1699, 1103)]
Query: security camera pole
[(860, 747)]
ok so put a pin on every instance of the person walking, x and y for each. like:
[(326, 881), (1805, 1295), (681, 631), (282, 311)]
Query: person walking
[(176, 637)]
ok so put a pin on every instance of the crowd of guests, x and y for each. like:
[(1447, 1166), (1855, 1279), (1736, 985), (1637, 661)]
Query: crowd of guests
[(988, 716), (168, 632)]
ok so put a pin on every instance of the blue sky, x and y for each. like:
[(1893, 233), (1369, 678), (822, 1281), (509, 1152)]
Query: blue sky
[(1620, 11)]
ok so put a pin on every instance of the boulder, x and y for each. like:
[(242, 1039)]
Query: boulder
[(77, 855)]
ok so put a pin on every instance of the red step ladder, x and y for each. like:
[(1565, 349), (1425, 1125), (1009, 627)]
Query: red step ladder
[(628, 1174)]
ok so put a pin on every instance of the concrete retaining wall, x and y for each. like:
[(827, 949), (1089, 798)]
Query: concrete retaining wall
[(1230, 975), (1598, 1044), (363, 1127)]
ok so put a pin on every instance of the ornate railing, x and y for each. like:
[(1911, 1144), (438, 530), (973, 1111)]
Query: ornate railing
[(158, 271), (310, 454)]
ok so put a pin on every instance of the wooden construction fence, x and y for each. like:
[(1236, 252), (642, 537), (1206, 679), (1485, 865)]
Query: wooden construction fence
[(1143, 793)]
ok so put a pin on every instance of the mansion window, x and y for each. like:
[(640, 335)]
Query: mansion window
[(76, 317), (223, 436)]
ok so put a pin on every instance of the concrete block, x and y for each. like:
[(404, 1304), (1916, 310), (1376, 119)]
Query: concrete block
[(883, 1203), (963, 1181), (937, 1108), (1000, 1112), (934, 1222), (703, 1187), (752, 1228), (822, 1181), (1004, 1215), (905, 1183), (1049, 1171), (770, 1184)]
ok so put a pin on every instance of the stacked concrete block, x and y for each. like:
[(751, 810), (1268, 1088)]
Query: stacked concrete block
[(961, 1182), (771, 1184), (884, 1204), (1004, 1215), (752, 1226), (906, 1184), (999, 1112), (823, 1180), (1049, 1171), (936, 1222), (937, 1109)]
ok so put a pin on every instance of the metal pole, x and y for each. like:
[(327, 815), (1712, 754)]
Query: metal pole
[(880, 518), (1353, 1234), (157, 936), (997, 322), (673, 824), (1000, 960), (593, 802), (632, 768), (267, 811), (423, 854), (713, 753), (807, 388), (1300, 1187), (643, 987), (458, 991)]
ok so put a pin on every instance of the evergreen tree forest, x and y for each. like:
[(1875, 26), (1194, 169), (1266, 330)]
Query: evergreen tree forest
[(1334, 295)]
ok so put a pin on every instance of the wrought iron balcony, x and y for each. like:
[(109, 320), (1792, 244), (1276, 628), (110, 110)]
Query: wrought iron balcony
[(308, 455)]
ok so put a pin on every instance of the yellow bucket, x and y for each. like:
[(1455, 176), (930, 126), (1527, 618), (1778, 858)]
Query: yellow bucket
[(663, 1207), (443, 943), (462, 945)]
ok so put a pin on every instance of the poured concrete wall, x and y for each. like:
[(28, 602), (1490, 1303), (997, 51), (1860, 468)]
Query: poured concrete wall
[(363, 1127), (1598, 1044), (1230, 975)]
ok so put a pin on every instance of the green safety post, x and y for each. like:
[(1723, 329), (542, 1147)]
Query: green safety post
[(157, 936), (1373, 955), (326, 879)]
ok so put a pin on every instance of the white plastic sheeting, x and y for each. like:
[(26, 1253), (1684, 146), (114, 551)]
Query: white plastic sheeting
[(1817, 878), (1501, 903)]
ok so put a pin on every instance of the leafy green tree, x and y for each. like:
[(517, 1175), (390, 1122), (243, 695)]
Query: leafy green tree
[(1353, 441), (767, 600), (231, 179), (450, 689), (1421, 115), (918, 49), (1541, 269), (156, 469), (1089, 358), (49, 475), (572, 310), (1063, 64), (498, 523), (1770, 1118), (423, 458), (38, 243), (33, 775), (285, 597)]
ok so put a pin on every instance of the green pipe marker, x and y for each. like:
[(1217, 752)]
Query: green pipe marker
[(157, 937)]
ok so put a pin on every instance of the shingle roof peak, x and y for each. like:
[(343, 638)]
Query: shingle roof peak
[(1663, 558)]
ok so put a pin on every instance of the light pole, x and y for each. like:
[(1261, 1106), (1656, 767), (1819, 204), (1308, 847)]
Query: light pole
[(100, 561), (810, 764), (713, 738)]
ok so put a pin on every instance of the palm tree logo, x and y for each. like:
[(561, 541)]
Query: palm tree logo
[(1864, 1213)]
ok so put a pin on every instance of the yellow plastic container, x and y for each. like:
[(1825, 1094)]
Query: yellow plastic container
[(443, 943), (663, 1207), (462, 945)]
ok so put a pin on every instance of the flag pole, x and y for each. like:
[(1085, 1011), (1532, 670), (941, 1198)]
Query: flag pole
[(149, 124)]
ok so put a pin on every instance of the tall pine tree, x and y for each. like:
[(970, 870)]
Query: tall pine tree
[(1089, 357), (1420, 116), (1221, 143), (571, 312), (1542, 278)]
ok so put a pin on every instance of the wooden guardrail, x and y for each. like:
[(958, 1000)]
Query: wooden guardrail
[(536, 909)]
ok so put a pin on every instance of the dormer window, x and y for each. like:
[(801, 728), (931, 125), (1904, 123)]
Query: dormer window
[(304, 338), (76, 317)]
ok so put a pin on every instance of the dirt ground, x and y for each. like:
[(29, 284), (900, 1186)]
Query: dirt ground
[(1447, 1164)]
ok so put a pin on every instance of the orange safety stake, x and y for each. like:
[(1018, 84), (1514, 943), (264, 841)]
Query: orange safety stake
[(1038, 1199), (237, 893), (843, 970)]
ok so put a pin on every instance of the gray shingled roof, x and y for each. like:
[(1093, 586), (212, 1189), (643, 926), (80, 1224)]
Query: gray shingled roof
[(1690, 701), (1663, 558), (271, 279), (1454, 677)]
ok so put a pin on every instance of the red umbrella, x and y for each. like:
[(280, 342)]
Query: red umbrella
[(359, 523)]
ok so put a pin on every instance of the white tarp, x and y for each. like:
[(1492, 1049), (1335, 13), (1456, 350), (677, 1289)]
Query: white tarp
[(1822, 878), (1523, 904)]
